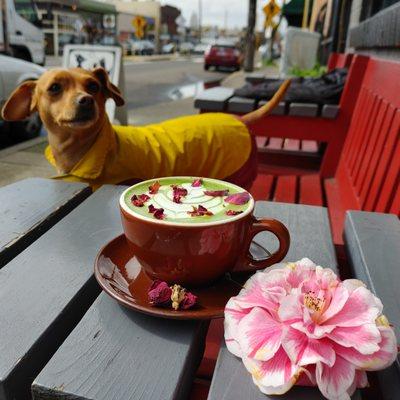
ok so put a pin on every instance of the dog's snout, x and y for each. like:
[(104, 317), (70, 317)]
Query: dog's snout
[(85, 101)]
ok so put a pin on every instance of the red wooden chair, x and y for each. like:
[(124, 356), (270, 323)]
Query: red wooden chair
[(330, 131), (367, 177), (364, 175), (307, 153)]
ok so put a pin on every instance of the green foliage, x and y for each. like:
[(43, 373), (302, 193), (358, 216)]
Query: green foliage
[(314, 72), (269, 63)]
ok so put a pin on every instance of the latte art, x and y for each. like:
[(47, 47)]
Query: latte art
[(194, 198), (187, 200)]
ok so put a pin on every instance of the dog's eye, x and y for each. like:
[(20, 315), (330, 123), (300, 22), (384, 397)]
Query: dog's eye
[(55, 88), (93, 87)]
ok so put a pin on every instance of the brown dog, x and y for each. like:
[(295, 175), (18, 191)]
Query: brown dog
[(84, 146)]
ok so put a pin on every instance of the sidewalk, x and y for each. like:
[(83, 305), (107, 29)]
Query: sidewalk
[(27, 160)]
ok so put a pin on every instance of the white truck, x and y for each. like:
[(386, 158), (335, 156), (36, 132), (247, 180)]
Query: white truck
[(20, 33)]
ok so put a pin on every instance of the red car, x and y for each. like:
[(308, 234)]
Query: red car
[(222, 56)]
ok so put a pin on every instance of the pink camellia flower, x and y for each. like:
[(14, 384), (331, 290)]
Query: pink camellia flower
[(298, 323)]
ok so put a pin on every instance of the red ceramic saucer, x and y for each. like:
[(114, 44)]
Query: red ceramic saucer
[(120, 275)]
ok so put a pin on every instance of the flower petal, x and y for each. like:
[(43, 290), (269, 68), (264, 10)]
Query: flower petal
[(197, 182), (338, 300), (233, 315), (334, 381), (360, 381), (364, 338), (275, 376), (384, 357), (153, 189), (360, 308), (232, 212), (257, 294), (290, 309), (216, 193), (259, 335), (238, 198), (303, 350)]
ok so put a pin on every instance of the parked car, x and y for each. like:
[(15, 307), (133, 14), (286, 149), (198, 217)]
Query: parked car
[(186, 48), (13, 72), (168, 48), (222, 56), (142, 47), (200, 48)]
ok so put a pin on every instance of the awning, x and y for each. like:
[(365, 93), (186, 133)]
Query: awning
[(96, 7), (295, 7)]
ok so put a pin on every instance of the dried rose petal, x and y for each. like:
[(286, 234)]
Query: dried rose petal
[(197, 182), (159, 293), (139, 201), (188, 301), (216, 193), (238, 198), (157, 212), (153, 189), (199, 211), (178, 193), (233, 212)]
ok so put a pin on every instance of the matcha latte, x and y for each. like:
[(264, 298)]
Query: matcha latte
[(187, 200)]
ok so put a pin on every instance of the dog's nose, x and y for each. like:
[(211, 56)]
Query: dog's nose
[(85, 101)]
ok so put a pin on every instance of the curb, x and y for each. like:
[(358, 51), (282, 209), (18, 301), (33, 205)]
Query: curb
[(22, 146), (156, 57)]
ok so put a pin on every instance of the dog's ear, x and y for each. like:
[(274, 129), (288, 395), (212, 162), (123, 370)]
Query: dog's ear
[(21, 102), (110, 89)]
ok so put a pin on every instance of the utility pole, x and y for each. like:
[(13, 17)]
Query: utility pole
[(200, 18), (250, 37), (6, 43)]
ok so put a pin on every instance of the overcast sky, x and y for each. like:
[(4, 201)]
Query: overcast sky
[(214, 11)]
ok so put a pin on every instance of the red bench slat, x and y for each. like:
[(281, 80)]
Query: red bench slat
[(275, 143), (359, 129), (391, 182), (370, 147), (311, 190), (261, 141), (379, 176), (366, 137), (286, 189), (291, 144), (376, 154), (261, 188), (309, 145), (395, 208)]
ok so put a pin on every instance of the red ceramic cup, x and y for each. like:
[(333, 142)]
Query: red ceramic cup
[(193, 254)]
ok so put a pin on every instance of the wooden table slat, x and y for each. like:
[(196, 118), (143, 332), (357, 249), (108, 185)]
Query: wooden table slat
[(46, 289), (116, 353), (214, 99), (310, 237), (372, 241), (30, 207)]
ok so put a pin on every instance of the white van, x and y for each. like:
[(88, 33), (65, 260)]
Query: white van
[(24, 35)]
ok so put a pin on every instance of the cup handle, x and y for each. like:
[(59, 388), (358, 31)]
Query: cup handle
[(248, 263)]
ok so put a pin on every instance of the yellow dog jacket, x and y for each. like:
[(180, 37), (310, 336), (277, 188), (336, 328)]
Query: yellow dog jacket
[(214, 145)]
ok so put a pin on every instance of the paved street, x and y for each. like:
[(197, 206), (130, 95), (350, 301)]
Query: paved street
[(152, 82)]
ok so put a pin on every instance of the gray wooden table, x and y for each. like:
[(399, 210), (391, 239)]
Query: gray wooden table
[(61, 338)]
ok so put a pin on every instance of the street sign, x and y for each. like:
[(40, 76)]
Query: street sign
[(270, 11), (108, 57), (109, 21), (139, 23)]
